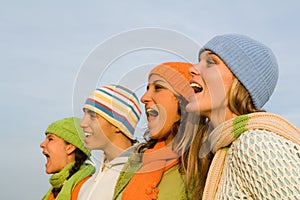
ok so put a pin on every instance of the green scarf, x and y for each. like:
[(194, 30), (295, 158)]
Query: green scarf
[(222, 137), (60, 179)]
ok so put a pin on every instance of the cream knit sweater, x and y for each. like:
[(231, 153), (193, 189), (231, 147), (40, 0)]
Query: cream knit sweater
[(262, 161), (261, 165)]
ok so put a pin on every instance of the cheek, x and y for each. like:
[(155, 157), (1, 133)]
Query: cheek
[(217, 85), (227, 78), (172, 113)]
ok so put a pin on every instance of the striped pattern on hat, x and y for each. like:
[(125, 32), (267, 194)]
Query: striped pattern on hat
[(118, 105)]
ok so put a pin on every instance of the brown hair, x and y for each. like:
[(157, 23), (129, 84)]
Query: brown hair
[(80, 158)]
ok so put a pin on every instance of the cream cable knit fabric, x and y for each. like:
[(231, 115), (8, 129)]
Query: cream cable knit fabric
[(263, 163)]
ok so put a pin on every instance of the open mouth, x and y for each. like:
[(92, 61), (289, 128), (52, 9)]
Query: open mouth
[(46, 155), (151, 112), (196, 87), (87, 134)]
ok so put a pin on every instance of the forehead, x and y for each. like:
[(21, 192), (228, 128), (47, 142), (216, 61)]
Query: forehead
[(157, 79), (52, 135), (86, 110), (207, 54)]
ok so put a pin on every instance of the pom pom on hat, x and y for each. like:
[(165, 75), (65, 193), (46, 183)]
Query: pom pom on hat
[(69, 130), (253, 63), (118, 105), (176, 74)]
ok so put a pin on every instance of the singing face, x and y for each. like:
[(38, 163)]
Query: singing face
[(211, 81), (161, 106), (58, 153), (99, 133)]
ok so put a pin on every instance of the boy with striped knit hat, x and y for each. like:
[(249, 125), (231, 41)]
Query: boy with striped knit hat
[(111, 114)]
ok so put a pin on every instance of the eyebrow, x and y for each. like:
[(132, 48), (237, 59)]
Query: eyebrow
[(205, 54), (157, 81), (88, 111)]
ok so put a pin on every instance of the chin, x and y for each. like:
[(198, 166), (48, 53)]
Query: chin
[(191, 108)]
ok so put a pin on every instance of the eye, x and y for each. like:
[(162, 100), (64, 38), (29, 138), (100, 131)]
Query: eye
[(92, 114), (210, 61), (158, 87), (49, 138)]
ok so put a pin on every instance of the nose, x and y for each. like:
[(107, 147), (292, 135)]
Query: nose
[(193, 70), (83, 122), (146, 97), (42, 145)]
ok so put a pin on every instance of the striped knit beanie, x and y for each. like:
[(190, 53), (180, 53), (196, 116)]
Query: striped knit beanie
[(253, 63), (118, 105), (69, 130), (176, 74)]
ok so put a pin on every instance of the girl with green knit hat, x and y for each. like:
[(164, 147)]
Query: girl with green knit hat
[(66, 158)]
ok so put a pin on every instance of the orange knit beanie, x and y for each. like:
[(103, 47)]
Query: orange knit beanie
[(176, 74)]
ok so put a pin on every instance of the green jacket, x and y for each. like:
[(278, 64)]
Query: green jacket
[(171, 186)]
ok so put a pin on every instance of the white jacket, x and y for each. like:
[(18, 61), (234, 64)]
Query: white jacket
[(101, 185)]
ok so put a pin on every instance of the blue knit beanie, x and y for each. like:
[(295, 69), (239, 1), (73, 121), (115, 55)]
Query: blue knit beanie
[(253, 63)]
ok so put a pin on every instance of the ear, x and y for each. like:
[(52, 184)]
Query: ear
[(70, 149)]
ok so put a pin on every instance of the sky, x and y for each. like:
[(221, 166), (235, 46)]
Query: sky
[(54, 53)]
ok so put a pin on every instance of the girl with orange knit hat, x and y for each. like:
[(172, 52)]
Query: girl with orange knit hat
[(155, 172)]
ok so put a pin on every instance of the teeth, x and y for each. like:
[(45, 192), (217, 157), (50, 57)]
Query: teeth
[(152, 112), (46, 155), (87, 134), (196, 87)]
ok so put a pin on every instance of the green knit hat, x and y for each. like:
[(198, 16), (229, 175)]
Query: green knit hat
[(69, 130)]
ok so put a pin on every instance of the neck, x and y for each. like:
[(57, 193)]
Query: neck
[(116, 149), (220, 116)]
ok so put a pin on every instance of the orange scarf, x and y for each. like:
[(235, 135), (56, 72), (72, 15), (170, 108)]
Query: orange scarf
[(156, 161)]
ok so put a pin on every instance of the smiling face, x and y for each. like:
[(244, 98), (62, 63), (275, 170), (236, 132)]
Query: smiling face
[(161, 107), (99, 133), (211, 81), (58, 153)]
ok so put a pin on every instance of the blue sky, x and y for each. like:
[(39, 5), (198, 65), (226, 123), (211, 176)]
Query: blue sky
[(45, 45)]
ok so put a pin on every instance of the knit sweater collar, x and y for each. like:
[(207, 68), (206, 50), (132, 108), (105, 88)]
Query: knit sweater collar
[(224, 134), (222, 137)]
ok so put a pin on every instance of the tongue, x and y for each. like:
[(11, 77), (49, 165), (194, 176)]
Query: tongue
[(153, 113)]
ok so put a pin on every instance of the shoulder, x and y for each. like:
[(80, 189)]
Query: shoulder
[(172, 185), (265, 161), (254, 142), (76, 190)]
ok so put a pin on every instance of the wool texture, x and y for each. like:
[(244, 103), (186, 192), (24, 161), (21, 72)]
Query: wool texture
[(253, 63), (69, 130), (118, 104), (176, 74)]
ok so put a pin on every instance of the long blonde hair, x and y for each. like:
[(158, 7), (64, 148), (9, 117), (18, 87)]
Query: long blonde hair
[(196, 165)]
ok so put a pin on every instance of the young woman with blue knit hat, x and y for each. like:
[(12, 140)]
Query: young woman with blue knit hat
[(66, 159), (111, 114), (255, 154)]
